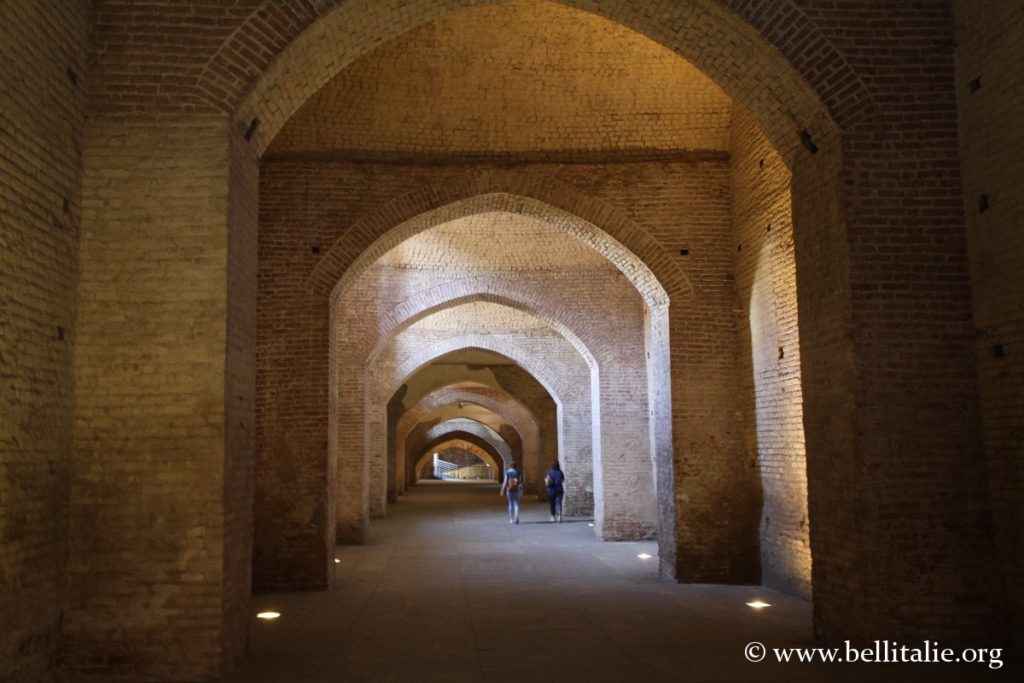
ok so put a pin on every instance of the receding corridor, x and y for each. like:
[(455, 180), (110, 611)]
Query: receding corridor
[(447, 590), (273, 273)]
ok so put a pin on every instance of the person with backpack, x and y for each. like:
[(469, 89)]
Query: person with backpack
[(554, 480), (512, 487)]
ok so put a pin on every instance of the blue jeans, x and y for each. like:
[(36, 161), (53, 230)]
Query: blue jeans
[(555, 501), (513, 504)]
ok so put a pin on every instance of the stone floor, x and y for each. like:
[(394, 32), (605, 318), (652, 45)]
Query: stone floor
[(448, 591)]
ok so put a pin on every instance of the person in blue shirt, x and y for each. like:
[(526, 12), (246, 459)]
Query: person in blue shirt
[(512, 487), (554, 480)]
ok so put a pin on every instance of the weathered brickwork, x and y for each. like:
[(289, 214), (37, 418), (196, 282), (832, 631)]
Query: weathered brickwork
[(990, 90), (156, 529), (902, 395), (474, 379), (658, 195), (540, 351), (691, 29), (496, 82), (42, 110), (502, 412), (527, 390), (505, 265), (769, 353), (431, 436), (900, 391)]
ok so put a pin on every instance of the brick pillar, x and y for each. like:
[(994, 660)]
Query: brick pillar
[(896, 482), (161, 485)]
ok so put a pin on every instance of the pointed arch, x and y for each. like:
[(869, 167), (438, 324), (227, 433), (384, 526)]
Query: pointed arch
[(735, 43), (498, 401), (638, 255)]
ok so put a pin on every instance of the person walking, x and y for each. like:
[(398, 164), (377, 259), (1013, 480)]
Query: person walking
[(512, 487), (554, 480)]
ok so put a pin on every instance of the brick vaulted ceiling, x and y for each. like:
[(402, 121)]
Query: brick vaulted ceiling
[(494, 241), (519, 77), (494, 318)]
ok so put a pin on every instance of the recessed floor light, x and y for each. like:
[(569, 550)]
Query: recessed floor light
[(268, 615), (759, 604), (590, 524), (645, 556), (337, 561)]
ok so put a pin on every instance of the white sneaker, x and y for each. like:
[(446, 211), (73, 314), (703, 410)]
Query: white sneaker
[(559, 517), (552, 518), (511, 521)]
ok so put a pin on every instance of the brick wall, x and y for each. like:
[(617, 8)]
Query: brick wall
[(627, 94), (307, 205), (990, 93), (546, 356), (894, 435), (896, 484), (597, 296), (42, 109), (154, 521), (518, 426), (769, 353)]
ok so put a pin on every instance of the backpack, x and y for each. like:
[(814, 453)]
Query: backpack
[(512, 484)]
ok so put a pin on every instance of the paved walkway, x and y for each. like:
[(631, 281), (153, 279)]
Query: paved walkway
[(448, 591)]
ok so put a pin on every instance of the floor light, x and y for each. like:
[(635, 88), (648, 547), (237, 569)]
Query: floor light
[(758, 604), (645, 556), (268, 615)]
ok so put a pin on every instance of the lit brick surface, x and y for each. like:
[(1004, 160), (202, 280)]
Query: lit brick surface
[(769, 355), (459, 396), (497, 86), (160, 503), (898, 495)]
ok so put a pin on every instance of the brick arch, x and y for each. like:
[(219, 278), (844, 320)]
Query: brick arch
[(357, 502), (723, 41), (498, 401), (556, 383), (599, 459), (568, 386), (279, 57), (609, 231), (494, 425), (463, 427), (416, 311), (457, 442)]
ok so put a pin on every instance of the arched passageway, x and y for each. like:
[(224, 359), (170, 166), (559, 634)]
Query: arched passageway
[(473, 460), (185, 157), (511, 410)]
